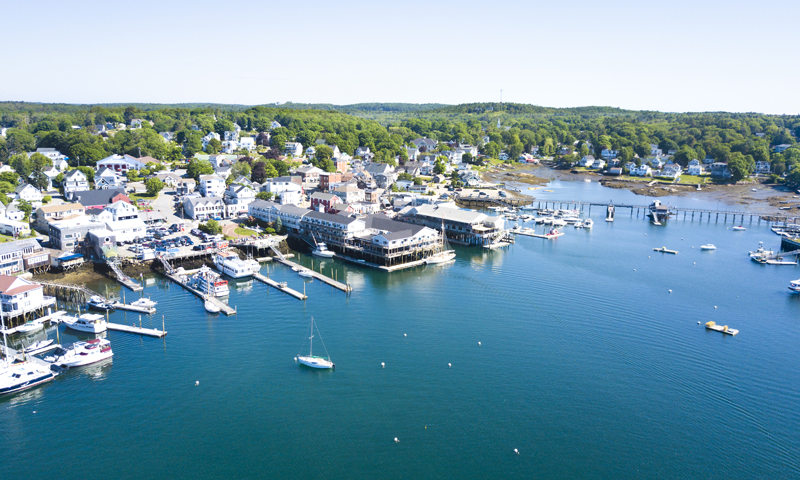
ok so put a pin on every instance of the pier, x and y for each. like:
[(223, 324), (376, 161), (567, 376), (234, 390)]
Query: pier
[(131, 308), (124, 279), (224, 308), (11, 353), (148, 332), (322, 278), (280, 286)]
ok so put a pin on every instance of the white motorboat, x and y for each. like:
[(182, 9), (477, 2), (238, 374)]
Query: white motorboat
[(739, 228), (211, 307), (708, 246), (209, 282), (313, 361), (557, 222), (794, 285), (231, 265), (322, 251), (29, 326), (588, 223), (305, 273), (38, 347), (96, 302), (22, 375), (761, 251), (80, 354), (88, 322), (144, 303), (443, 252)]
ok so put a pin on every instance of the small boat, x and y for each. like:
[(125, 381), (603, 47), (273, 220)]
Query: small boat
[(80, 354), (38, 347), (708, 246), (210, 282), (29, 326), (144, 303), (96, 302), (794, 285), (310, 360), (211, 307), (553, 233), (753, 189), (305, 273), (322, 251), (88, 322), (231, 265), (588, 223), (761, 252), (739, 228), (721, 328)]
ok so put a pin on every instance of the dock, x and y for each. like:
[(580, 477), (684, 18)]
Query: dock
[(11, 353), (226, 309), (665, 250), (721, 328), (131, 308), (322, 278), (124, 279), (148, 332), (53, 317), (531, 233), (279, 286)]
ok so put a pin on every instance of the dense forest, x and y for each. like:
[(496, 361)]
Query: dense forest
[(741, 139)]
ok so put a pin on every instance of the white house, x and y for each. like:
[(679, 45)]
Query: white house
[(75, 181), (168, 137), (204, 208), (18, 296), (212, 186), (211, 136), (231, 136), (586, 161), (349, 193), (763, 167), (696, 169), (598, 164), (644, 170), (294, 149), (285, 190), (28, 193), (672, 170), (428, 143), (630, 166), (118, 211), (608, 154), (237, 197), (248, 143), (107, 178), (121, 163)]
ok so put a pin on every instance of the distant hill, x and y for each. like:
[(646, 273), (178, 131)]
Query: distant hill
[(368, 107)]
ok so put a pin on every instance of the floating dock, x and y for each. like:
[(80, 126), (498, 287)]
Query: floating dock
[(279, 286), (531, 233), (226, 309), (131, 308), (322, 278), (721, 328), (11, 353), (665, 250), (149, 332), (53, 317)]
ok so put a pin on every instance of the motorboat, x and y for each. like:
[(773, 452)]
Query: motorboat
[(794, 285), (80, 354), (557, 222), (708, 246), (22, 375), (739, 228), (209, 282), (322, 251), (96, 302), (305, 273), (588, 223), (211, 307), (144, 303), (761, 251), (29, 326), (38, 347), (88, 322), (314, 361), (231, 265)]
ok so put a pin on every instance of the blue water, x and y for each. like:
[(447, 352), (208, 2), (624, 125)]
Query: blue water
[(588, 365)]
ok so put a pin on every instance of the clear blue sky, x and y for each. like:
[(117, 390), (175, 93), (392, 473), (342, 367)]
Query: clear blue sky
[(699, 55)]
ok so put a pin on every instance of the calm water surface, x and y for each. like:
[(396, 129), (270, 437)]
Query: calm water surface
[(588, 365)]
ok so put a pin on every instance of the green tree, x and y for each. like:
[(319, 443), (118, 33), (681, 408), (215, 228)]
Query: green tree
[(265, 196), (47, 199), (323, 153), (213, 146), (277, 225), (212, 227), (199, 167), (88, 171), (240, 169), (26, 208), (439, 167), (6, 187), (9, 177), (153, 186), (21, 164), (738, 166)]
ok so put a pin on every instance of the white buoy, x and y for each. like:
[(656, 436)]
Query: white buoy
[(670, 290), (34, 411), (449, 364), (694, 263), (698, 323), (295, 359), (516, 451), (383, 364), (396, 440), (405, 334), (634, 269), (715, 307), (479, 343), (197, 383)]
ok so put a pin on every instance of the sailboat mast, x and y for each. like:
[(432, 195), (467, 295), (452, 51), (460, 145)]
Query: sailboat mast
[(5, 343), (311, 339)]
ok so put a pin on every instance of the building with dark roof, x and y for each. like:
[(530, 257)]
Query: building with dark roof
[(100, 198)]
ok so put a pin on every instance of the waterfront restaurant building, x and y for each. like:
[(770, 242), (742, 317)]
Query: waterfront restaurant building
[(465, 227)]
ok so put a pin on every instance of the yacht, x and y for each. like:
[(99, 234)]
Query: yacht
[(231, 265), (96, 302), (322, 251), (88, 322), (761, 251), (739, 228), (208, 282), (144, 303), (80, 354), (22, 375), (794, 285), (29, 326), (708, 246)]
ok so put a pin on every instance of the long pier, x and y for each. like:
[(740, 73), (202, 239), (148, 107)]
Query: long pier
[(149, 332), (132, 308), (279, 286), (322, 278), (547, 203)]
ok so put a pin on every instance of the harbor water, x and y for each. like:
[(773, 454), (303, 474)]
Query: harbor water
[(587, 354)]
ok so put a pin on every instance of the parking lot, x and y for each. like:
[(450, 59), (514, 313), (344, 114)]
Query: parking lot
[(168, 239)]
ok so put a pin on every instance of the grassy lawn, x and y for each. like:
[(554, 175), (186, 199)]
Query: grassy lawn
[(142, 196), (694, 179), (246, 232)]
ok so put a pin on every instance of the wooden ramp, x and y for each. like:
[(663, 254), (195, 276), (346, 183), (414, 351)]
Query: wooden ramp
[(149, 332), (322, 278), (279, 286)]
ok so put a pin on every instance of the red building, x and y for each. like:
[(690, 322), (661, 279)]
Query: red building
[(324, 202)]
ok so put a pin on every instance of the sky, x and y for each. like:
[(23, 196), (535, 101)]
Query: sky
[(676, 56)]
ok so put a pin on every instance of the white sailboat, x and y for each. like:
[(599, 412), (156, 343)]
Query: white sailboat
[(445, 253), (313, 361)]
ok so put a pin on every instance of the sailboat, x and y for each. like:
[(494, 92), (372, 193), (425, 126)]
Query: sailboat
[(310, 360), (445, 253)]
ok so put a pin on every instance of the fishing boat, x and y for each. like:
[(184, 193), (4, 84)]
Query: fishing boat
[(761, 251), (739, 228), (144, 303), (321, 250), (313, 361), (444, 253), (88, 322), (29, 326), (708, 246), (231, 265), (80, 354), (209, 282), (794, 285), (96, 302)]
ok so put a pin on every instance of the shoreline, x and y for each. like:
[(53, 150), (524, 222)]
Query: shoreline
[(765, 201)]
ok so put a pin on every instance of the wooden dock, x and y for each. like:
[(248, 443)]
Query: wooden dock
[(665, 250), (53, 317), (226, 309), (131, 308), (148, 332), (279, 286), (322, 278), (11, 353)]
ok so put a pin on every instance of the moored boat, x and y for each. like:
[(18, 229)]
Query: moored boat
[(739, 228), (209, 282), (29, 326), (38, 347), (708, 246), (311, 360), (794, 285), (96, 302), (231, 265), (80, 354), (88, 322), (211, 307)]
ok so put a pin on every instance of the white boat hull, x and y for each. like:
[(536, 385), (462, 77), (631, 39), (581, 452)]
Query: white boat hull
[(441, 257), (315, 362), (211, 307), (98, 327), (323, 253)]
